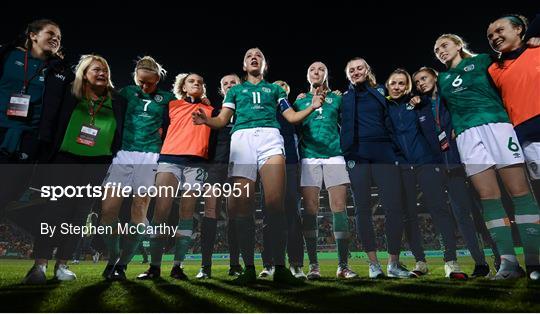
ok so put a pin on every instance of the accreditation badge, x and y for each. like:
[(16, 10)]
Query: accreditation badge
[(88, 135), (443, 141), (18, 105)]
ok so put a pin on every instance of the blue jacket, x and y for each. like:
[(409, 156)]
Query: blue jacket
[(408, 133), (376, 148), (427, 122)]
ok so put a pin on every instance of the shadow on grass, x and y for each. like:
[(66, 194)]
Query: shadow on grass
[(368, 298), (88, 299), (473, 290), (25, 298), (357, 295), (143, 299), (264, 303), (185, 300)]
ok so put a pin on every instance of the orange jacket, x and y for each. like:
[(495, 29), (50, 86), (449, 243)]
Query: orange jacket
[(183, 137), (518, 81)]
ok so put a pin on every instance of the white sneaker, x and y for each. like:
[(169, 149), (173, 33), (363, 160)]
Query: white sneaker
[(204, 273), (375, 271), (396, 270), (75, 262), (36, 275), (452, 270), (314, 272), (345, 272), (535, 275), (267, 272), (420, 269), (298, 272), (63, 273), (95, 257), (508, 270)]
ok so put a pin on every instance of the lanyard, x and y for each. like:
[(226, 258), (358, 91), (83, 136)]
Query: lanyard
[(27, 80), (437, 118), (93, 112)]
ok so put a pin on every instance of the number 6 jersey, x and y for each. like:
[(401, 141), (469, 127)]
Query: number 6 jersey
[(470, 96)]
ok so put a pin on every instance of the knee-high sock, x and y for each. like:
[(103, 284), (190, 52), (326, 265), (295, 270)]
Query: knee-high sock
[(245, 234), (208, 237), (310, 229), (535, 184), (341, 233), (181, 245), (528, 223), (129, 245), (156, 250), (112, 242), (234, 251), (267, 253), (498, 226), (277, 225)]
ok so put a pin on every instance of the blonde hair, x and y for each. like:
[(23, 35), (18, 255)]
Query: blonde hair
[(79, 83), (264, 61), (286, 88), (464, 52), (370, 75), (149, 64), (221, 82), (429, 70), (179, 82), (407, 76), (325, 83)]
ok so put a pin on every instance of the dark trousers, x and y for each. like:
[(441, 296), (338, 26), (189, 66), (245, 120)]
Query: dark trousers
[(84, 245), (387, 178), (143, 252), (463, 206), (431, 181), (67, 170)]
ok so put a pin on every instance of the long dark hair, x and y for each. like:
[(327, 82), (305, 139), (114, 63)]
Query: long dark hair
[(35, 27), (516, 20)]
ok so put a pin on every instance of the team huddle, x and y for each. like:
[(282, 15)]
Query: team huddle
[(475, 124)]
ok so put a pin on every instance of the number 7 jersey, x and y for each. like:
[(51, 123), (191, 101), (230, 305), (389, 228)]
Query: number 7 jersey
[(144, 118), (470, 96), (255, 105)]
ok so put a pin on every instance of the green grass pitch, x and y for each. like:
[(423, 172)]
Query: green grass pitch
[(434, 293)]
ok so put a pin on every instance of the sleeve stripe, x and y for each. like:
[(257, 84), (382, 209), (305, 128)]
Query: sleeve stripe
[(229, 105), (284, 105)]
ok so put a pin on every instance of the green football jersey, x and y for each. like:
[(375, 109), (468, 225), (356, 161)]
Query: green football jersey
[(319, 134), (470, 96), (255, 105), (144, 117)]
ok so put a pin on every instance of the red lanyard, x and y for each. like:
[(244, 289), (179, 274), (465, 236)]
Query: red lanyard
[(93, 112), (437, 118), (27, 80)]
